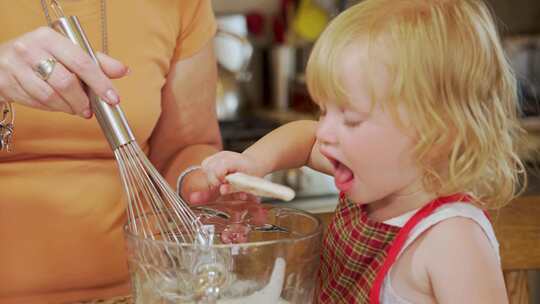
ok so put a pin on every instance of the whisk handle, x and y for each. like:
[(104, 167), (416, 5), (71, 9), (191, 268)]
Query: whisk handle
[(111, 118)]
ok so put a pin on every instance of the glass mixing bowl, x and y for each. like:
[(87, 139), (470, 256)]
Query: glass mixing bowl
[(259, 254)]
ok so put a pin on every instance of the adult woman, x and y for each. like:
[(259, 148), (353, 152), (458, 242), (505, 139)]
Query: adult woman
[(62, 205)]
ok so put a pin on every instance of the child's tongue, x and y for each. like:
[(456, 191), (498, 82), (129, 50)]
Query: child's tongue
[(343, 177)]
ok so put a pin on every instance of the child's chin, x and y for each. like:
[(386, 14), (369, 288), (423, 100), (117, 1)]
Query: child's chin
[(356, 197)]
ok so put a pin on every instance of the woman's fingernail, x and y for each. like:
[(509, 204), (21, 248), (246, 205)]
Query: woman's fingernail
[(87, 113), (112, 96), (128, 71)]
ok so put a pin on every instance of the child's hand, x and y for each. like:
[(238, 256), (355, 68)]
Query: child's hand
[(223, 163), (197, 189)]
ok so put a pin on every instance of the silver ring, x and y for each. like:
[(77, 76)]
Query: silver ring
[(45, 67)]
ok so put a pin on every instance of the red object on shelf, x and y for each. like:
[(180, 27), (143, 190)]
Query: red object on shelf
[(278, 27), (255, 23)]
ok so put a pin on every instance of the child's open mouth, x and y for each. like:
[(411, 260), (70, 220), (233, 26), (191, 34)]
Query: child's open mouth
[(343, 176)]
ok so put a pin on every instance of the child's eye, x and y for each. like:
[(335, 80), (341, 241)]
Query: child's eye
[(351, 123), (352, 119)]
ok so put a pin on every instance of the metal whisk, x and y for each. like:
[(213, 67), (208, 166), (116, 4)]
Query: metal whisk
[(154, 210)]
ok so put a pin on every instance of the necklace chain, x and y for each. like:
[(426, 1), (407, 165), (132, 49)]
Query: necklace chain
[(103, 15)]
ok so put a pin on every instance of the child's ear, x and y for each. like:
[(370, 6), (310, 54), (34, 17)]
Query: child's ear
[(434, 164), (435, 152)]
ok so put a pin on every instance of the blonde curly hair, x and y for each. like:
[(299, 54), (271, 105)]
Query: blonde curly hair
[(451, 76)]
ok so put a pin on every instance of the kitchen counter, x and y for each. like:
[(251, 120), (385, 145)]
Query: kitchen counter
[(530, 150)]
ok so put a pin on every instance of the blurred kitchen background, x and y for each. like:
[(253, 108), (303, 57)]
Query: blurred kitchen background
[(262, 47)]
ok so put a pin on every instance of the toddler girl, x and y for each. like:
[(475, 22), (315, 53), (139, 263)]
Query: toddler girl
[(418, 126)]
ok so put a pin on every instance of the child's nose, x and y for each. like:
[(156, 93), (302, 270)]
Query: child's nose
[(326, 130)]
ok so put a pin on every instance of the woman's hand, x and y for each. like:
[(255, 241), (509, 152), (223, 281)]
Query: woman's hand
[(62, 91)]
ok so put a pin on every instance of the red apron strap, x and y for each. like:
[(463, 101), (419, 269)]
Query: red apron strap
[(402, 236)]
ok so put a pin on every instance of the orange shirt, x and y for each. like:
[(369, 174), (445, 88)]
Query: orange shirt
[(62, 205)]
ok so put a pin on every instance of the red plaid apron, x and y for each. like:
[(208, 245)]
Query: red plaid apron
[(358, 252)]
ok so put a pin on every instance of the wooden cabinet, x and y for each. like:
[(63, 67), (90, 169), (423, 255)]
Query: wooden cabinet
[(518, 229)]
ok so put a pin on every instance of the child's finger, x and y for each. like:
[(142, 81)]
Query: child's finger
[(213, 180), (223, 167), (210, 174), (225, 189), (197, 198), (216, 169)]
